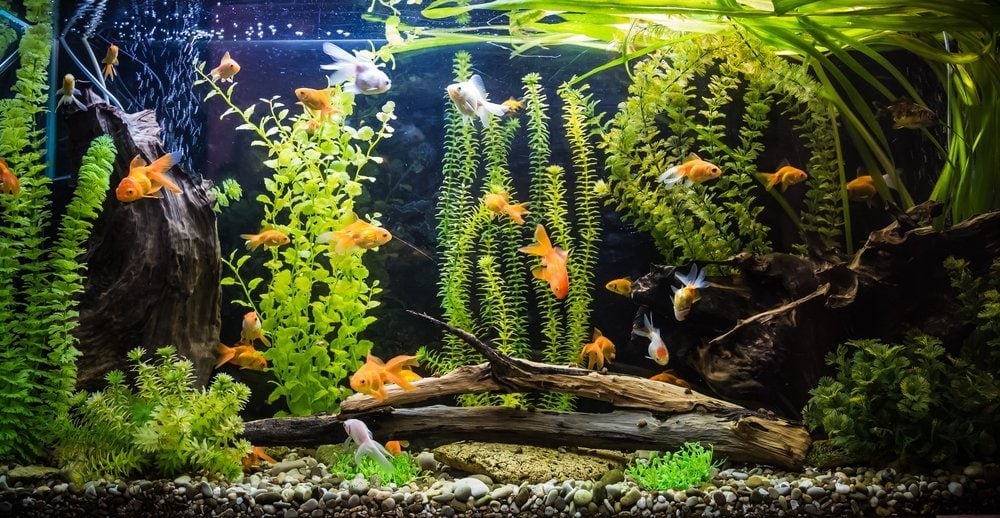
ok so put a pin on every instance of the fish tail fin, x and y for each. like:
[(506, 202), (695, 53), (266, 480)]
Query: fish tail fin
[(484, 116), (264, 339), (670, 176), (889, 182), (518, 211), (769, 179), (374, 451), (542, 244), (252, 243), (226, 353), (109, 71), (325, 237), (394, 370)]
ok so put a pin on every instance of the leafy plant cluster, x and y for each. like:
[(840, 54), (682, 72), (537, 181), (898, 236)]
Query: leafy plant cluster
[(226, 193), (405, 468), (315, 302), (164, 428), (689, 466), (979, 303)]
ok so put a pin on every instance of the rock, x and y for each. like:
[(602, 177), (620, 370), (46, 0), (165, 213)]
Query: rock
[(973, 470), (426, 461), (613, 476), (630, 497), (955, 488), (754, 481), (476, 487), (287, 465), (26, 473), (513, 464), (582, 497)]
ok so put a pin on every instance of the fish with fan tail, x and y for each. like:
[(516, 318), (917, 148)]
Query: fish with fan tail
[(622, 286), (364, 75), (553, 269), (472, 101), (693, 170), (68, 93), (657, 349), (862, 188), (242, 355), (786, 176), (597, 352), (358, 235), (687, 294), (266, 238), (146, 180), (253, 329), (498, 203), (367, 446), (110, 61), (372, 377)]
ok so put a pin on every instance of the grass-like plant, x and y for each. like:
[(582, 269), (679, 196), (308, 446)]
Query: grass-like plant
[(405, 468), (684, 468)]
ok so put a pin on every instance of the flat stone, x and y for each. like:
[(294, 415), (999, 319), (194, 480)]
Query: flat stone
[(32, 473), (513, 464)]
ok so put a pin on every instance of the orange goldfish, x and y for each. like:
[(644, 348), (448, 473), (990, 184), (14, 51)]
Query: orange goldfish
[(316, 100), (786, 176), (498, 204), (68, 93), (252, 329), (266, 238), (863, 189), (687, 294), (9, 184), (513, 106), (622, 286), (668, 377), (396, 447), (657, 349), (693, 170), (145, 181), (371, 377), (243, 355), (256, 455), (553, 267), (227, 68), (598, 351), (359, 235), (110, 60)]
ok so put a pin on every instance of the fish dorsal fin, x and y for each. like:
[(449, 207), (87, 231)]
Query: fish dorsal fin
[(860, 171), (692, 156), (477, 83), (375, 360), (226, 56), (597, 334), (783, 163), (136, 162)]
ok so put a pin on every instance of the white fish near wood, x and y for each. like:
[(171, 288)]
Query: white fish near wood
[(368, 79), (471, 100)]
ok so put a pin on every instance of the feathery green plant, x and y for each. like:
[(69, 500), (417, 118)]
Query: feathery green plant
[(165, 428), (316, 300), (226, 193), (689, 466), (405, 468)]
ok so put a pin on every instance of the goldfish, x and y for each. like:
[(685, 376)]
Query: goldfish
[(316, 100), (910, 115), (358, 432), (145, 181), (513, 105), (110, 60), (371, 377), (243, 355), (668, 377), (498, 204), (252, 329), (396, 447), (553, 267), (693, 170), (598, 351), (863, 189), (786, 176), (68, 91), (228, 67), (687, 294), (471, 100), (657, 349), (359, 235), (368, 78), (622, 286), (266, 238), (256, 455), (9, 184)]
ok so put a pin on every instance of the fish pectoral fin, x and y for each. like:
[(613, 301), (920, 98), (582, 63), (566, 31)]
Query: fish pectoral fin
[(539, 273)]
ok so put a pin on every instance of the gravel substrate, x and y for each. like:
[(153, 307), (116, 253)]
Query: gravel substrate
[(302, 488)]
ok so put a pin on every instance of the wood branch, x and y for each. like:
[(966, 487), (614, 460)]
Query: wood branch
[(741, 438)]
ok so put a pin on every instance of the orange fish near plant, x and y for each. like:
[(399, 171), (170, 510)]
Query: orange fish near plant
[(597, 352), (110, 60), (252, 329), (227, 68), (863, 189), (243, 355), (396, 447), (786, 176), (266, 238), (553, 269), (371, 377), (145, 181), (9, 184), (316, 100), (256, 455), (622, 286), (693, 170), (359, 235), (498, 204)]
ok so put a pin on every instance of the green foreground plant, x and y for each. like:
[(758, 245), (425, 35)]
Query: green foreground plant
[(405, 468), (687, 467)]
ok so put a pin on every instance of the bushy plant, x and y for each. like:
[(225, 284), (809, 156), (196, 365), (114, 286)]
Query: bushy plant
[(163, 428), (689, 466), (405, 468), (979, 304)]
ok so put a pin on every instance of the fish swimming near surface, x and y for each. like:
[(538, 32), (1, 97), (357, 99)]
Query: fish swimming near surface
[(657, 349), (358, 432), (228, 67), (369, 79), (907, 114), (9, 184), (371, 377), (145, 181), (862, 188), (243, 355), (68, 93), (252, 329), (317, 100), (498, 203), (553, 267), (471, 100), (600, 350), (786, 176), (266, 238), (687, 294), (622, 286), (693, 170), (110, 61), (668, 377), (359, 235)]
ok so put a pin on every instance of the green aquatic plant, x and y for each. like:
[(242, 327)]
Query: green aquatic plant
[(687, 467), (315, 300), (979, 304), (405, 468), (226, 193), (163, 428)]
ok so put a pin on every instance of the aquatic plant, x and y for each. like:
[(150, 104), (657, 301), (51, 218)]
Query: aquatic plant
[(405, 468), (978, 304), (164, 428), (315, 301), (689, 466), (226, 193)]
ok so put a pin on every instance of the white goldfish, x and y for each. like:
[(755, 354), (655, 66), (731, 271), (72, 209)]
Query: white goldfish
[(687, 294), (368, 78), (471, 100), (358, 432), (68, 92), (657, 349)]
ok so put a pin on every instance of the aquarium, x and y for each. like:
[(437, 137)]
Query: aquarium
[(509, 257)]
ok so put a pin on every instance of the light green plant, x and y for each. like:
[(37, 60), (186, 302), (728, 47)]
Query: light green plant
[(315, 301), (687, 467), (226, 193), (163, 428), (405, 468)]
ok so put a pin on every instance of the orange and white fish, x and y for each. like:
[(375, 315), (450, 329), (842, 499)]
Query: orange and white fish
[(600, 350), (266, 238), (228, 67), (9, 184), (368, 78), (863, 189), (657, 349), (110, 60), (359, 235), (68, 92), (621, 286), (252, 329), (317, 100), (668, 377), (693, 170), (371, 377), (687, 294), (786, 176), (553, 267), (243, 355), (396, 447), (145, 181), (498, 204), (471, 100)]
